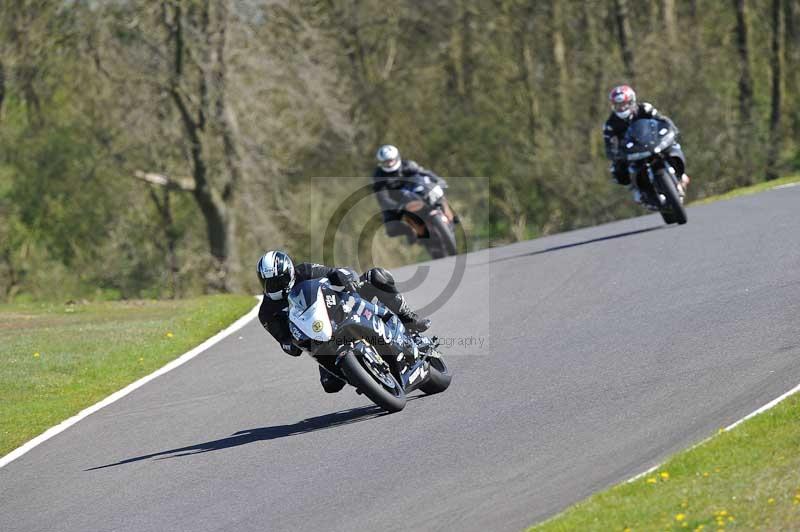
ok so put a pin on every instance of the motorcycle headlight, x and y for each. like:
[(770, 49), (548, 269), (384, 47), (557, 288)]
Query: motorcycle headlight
[(435, 194)]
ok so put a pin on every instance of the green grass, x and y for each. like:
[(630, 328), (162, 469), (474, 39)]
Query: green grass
[(744, 479), (56, 360), (744, 191)]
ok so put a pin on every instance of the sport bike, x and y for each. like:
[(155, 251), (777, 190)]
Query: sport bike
[(364, 344), (429, 215), (651, 150)]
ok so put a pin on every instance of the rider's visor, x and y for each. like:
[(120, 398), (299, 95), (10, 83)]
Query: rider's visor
[(621, 107), (275, 284), (389, 164)]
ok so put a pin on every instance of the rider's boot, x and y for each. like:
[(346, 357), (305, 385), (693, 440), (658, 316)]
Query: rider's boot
[(637, 194), (398, 305)]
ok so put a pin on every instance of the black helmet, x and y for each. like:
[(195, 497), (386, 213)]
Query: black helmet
[(276, 274)]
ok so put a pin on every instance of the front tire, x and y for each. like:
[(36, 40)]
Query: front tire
[(442, 238), (388, 395), (677, 213)]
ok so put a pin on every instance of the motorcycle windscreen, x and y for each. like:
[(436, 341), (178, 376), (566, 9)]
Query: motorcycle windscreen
[(307, 311), (643, 135)]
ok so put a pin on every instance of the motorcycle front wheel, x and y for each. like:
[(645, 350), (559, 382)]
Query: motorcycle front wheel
[(375, 381), (676, 214), (442, 238)]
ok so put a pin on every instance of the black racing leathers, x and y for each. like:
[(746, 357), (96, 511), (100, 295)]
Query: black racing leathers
[(388, 188), (614, 131), (376, 283), (274, 313)]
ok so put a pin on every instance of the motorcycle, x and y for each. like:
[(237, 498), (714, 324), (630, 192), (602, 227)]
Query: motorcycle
[(430, 215), (649, 146), (364, 344)]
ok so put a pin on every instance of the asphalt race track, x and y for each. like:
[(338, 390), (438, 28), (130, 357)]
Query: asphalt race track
[(604, 351)]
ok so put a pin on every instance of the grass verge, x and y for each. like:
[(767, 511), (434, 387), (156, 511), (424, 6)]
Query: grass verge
[(56, 360), (747, 478), (753, 189)]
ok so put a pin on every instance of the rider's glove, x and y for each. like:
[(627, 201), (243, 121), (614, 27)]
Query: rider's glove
[(291, 349)]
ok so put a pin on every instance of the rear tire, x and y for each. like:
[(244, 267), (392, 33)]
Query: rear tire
[(439, 377), (442, 238), (391, 399), (678, 213)]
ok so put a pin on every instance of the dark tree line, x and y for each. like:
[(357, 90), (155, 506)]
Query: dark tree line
[(155, 148)]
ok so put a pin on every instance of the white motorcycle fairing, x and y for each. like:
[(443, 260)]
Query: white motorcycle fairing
[(312, 320)]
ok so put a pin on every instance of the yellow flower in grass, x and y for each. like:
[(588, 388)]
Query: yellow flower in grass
[(680, 517), (770, 501), (698, 528), (36, 354), (664, 475), (169, 335), (651, 480)]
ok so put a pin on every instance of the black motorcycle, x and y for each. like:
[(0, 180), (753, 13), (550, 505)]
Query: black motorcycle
[(652, 152), (429, 215), (364, 344)]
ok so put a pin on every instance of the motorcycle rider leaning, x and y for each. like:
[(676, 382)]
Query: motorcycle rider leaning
[(277, 274), (387, 183), (624, 110)]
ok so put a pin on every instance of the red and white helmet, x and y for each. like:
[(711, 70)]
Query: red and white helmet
[(623, 101)]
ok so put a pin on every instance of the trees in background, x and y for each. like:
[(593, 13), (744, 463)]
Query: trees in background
[(232, 113)]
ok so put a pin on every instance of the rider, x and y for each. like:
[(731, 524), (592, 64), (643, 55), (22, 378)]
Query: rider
[(277, 274), (624, 111), (387, 183)]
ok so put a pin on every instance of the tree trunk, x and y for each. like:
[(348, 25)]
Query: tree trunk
[(2, 88), (560, 60), (596, 67), (625, 37), (214, 202), (745, 79), (670, 26), (466, 52), (526, 62), (776, 60), (792, 63)]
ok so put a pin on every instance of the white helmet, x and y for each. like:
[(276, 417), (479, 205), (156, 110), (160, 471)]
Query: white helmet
[(276, 274), (388, 158)]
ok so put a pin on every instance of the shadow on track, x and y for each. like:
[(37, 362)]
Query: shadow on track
[(243, 437), (581, 243)]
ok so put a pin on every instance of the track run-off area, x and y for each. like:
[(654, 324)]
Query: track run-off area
[(579, 360)]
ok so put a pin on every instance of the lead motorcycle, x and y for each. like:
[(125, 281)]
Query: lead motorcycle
[(364, 344), (429, 215), (652, 152)]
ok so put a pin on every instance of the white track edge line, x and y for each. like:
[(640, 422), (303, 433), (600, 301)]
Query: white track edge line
[(733, 425), (116, 396), (787, 185)]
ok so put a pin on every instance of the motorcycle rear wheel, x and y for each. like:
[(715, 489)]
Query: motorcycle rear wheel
[(439, 377), (390, 398)]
